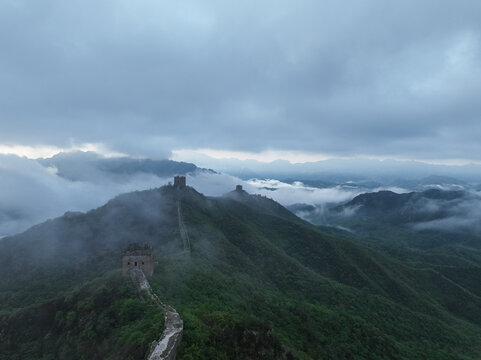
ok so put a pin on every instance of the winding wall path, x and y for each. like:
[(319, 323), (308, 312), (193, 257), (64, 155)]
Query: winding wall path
[(166, 347)]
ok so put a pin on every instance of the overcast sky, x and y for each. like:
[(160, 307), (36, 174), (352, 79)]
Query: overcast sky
[(381, 78)]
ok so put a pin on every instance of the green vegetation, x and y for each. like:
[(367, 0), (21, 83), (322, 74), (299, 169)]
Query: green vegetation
[(260, 283), (104, 319)]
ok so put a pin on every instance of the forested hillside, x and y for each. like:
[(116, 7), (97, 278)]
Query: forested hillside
[(258, 283)]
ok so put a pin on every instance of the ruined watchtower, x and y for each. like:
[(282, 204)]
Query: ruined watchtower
[(138, 256), (238, 188), (179, 181)]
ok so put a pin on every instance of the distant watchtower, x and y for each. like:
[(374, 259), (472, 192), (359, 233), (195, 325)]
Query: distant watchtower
[(179, 181), (138, 256), (238, 188)]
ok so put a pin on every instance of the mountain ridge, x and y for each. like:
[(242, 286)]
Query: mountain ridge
[(253, 265), (81, 165)]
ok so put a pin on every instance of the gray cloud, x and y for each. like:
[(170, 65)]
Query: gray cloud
[(374, 77), (297, 192)]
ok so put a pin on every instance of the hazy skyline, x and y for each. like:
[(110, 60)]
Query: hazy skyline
[(304, 81)]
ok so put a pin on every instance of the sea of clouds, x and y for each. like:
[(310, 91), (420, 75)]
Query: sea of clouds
[(31, 193)]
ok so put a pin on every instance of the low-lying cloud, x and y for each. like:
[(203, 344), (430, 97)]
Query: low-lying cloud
[(463, 214), (32, 191), (297, 192)]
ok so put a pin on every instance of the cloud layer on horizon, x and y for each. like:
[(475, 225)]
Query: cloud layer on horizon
[(31, 193), (378, 78)]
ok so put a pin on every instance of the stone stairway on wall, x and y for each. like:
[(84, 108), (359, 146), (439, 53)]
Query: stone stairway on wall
[(165, 348)]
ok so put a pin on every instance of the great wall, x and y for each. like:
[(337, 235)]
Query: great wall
[(166, 347), (184, 235), (137, 261)]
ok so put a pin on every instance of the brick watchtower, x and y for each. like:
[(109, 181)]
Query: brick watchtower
[(138, 256), (179, 181)]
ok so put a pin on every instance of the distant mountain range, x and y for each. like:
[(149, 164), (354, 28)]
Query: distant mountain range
[(90, 166), (86, 165), (341, 170), (81, 180), (429, 182)]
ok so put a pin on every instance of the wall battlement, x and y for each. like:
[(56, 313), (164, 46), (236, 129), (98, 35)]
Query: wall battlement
[(179, 181)]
